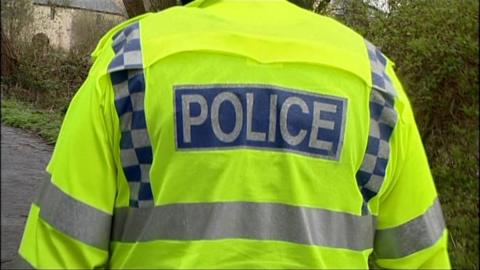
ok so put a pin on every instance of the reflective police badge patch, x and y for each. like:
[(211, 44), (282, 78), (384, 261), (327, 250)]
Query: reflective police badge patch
[(259, 117)]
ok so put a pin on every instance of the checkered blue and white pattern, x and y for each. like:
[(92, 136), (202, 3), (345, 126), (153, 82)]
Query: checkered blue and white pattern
[(383, 118), (380, 79), (126, 73), (127, 48)]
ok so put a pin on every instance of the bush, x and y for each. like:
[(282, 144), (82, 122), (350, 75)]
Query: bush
[(435, 47), (16, 17), (88, 29), (47, 77), (49, 81)]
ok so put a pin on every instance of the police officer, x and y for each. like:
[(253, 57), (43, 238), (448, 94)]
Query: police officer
[(237, 134)]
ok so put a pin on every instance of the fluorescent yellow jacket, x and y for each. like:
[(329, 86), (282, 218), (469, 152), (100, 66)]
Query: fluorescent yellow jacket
[(237, 134)]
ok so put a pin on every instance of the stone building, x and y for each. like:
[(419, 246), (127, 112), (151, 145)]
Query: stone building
[(69, 24)]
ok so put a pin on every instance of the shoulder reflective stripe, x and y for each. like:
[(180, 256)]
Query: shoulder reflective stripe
[(126, 73), (259, 221), (380, 80), (126, 45), (74, 218), (413, 236), (383, 118)]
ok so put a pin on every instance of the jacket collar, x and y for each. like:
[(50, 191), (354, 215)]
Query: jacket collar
[(200, 3)]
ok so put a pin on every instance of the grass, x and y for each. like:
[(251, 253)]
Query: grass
[(45, 123)]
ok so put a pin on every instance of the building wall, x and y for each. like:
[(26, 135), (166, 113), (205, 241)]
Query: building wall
[(57, 23)]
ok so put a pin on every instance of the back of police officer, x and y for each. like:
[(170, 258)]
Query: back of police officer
[(237, 134)]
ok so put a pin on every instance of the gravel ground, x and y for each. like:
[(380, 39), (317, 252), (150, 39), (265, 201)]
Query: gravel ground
[(24, 159)]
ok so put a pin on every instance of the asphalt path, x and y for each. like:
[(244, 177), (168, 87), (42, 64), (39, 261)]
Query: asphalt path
[(23, 160)]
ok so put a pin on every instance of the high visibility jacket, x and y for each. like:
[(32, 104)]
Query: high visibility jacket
[(237, 134)]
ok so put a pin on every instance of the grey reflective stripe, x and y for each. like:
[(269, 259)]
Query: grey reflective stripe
[(74, 218), (247, 220), (413, 236)]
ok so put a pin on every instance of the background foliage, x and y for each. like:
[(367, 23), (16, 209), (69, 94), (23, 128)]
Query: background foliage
[(88, 30), (435, 47), (16, 15), (433, 43)]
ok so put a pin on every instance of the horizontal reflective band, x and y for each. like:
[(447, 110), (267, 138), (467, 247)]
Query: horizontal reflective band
[(259, 221), (408, 238), (74, 218)]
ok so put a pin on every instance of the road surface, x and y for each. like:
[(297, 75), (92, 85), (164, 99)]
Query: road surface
[(24, 158)]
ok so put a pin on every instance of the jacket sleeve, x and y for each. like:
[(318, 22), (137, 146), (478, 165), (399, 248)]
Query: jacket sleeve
[(69, 222), (410, 231)]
